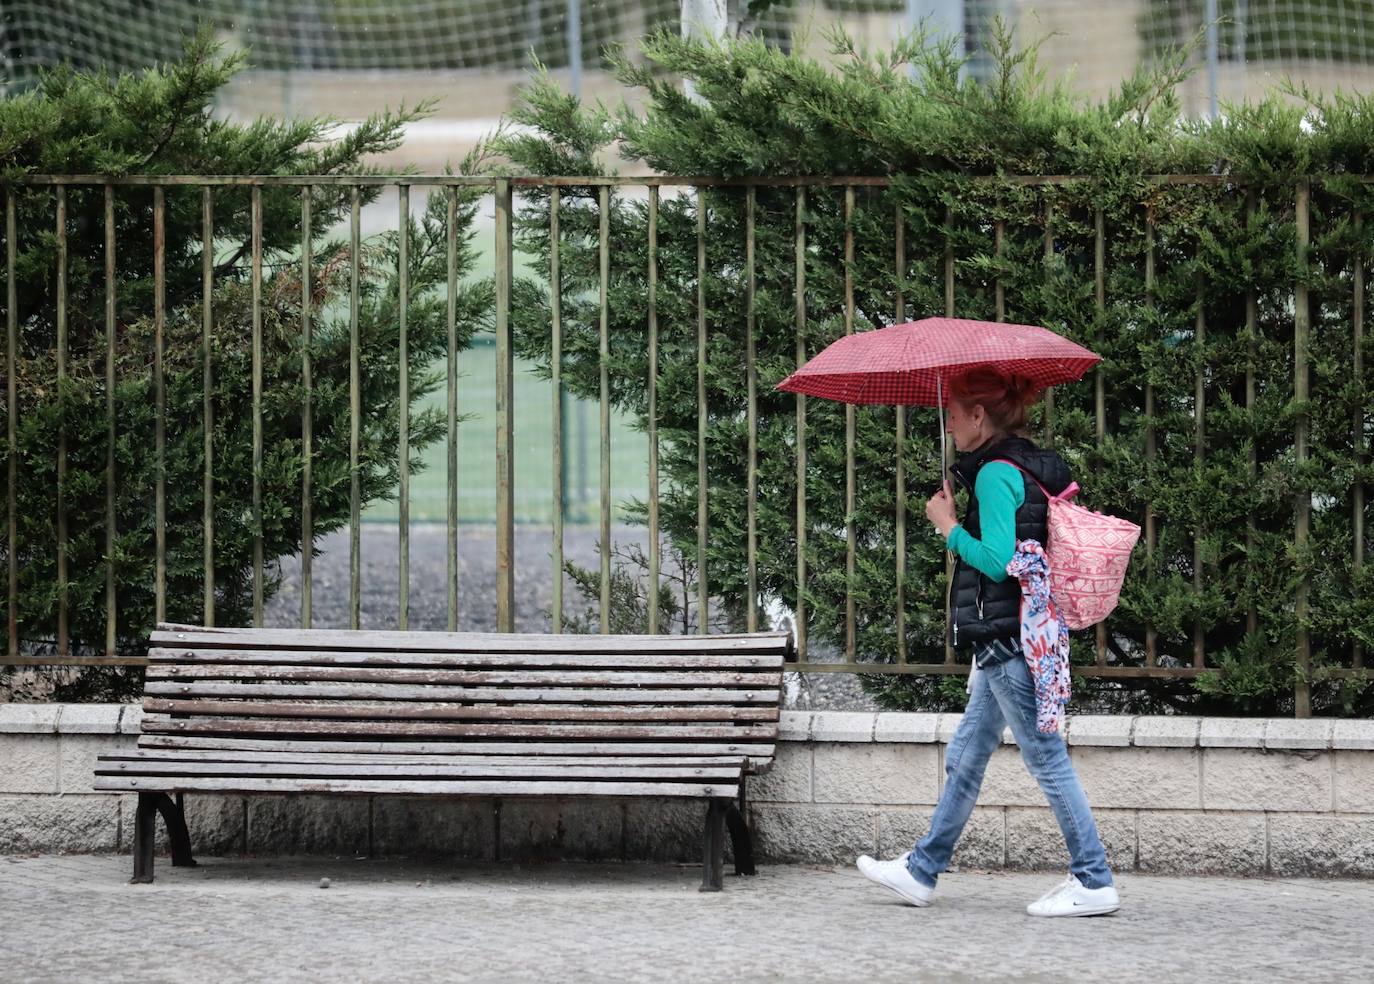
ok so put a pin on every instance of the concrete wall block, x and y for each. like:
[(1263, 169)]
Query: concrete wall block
[(1232, 733), (89, 719), (550, 829), (50, 824), (851, 726), (1035, 842), (308, 825), (433, 826), (1100, 729), (876, 773), (76, 755), (981, 845), (947, 725), (1354, 782), (28, 763), (1139, 778), (1301, 844), (1294, 733), (1201, 843), (1166, 731), (669, 831), (794, 725), (1353, 735), (1240, 779), (815, 834), (1006, 782), (29, 719), (789, 781), (131, 720), (920, 728), (216, 823)]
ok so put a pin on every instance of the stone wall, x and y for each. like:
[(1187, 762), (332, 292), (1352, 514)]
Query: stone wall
[(1171, 794)]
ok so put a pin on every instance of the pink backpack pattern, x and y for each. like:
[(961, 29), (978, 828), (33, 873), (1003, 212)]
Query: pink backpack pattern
[(1088, 553)]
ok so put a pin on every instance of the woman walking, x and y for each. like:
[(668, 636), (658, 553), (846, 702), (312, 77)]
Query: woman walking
[(987, 419)]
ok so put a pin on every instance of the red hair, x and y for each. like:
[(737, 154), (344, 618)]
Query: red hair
[(1004, 397)]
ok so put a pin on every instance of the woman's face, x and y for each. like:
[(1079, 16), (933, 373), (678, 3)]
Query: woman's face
[(967, 425)]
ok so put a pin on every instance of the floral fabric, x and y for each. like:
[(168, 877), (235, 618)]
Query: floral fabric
[(1044, 636)]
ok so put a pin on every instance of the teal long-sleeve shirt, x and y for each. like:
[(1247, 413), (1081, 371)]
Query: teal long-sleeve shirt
[(1000, 492)]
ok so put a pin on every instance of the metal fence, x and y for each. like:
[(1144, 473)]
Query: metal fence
[(505, 191)]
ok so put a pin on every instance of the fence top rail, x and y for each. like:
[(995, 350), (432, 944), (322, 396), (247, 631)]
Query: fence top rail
[(585, 181)]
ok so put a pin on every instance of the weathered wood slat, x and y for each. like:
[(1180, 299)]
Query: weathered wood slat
[(321, 690), (754, 750), (437, 660), (444, 711), (342, 728), (192, 755), (474, 642), (515, 678), (457, 787), (400, 771)]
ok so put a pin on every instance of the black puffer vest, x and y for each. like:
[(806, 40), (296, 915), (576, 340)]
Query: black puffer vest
[(982, 609)]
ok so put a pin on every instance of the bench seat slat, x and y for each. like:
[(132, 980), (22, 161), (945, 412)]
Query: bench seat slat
[(456, 787), (342, 758), (478, 642), (340, 727), (728, 679), (397, 770), (442, 711), (177, 742), (509, 695), (514, 660)]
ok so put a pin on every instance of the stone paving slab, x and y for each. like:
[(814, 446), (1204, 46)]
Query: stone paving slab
[(68, 918)]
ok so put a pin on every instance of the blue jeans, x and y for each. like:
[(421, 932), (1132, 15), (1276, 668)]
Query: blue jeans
[(1004, 694)]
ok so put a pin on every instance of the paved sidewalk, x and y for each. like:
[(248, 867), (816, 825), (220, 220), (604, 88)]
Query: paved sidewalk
[(248, 919)]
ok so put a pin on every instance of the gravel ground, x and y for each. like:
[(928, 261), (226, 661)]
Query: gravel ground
[(477, 589)]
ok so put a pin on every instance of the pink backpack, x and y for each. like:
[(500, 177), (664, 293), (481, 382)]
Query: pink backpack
[(1088, 553)]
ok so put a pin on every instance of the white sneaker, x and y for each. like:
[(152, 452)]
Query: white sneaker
[(894, 877), (1070, 898)]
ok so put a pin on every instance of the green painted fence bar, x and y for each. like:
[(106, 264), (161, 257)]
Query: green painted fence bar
[(751, 420), (258, 558), (207, 296), (63, 641), (850, 423), (1357, 493), (160, 391), (604, 359), (451, 401), (556, 380), (1251, 327), (354, 414), (307, 434), (1049, 256), (1151, 445), (703, 607), (111, 602), (1199, 451), (654, 559), (899, 415), (403, 411), (505, 415), (799, 251), (1099, 381), (949, 313), (1303, 497), (11, 420)]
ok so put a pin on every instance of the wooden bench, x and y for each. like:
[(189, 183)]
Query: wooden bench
[(452, 714)]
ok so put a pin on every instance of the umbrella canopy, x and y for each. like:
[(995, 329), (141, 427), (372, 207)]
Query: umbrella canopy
[(913, 363)]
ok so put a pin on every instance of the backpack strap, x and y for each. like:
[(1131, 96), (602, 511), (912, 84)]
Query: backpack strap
[(1069, 492)]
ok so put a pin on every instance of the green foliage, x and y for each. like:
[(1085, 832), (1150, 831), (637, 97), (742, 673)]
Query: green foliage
[(953, 148), (159, 122)]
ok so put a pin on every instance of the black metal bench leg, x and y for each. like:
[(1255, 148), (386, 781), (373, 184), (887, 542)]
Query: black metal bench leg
[(740, 842), (178, 838), (713, 865), (145, 823)]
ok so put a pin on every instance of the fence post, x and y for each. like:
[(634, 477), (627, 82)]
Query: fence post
[(1302, 695), (505, 443)]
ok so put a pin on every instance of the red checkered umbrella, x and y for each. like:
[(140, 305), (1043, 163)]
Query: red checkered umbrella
[(913, 363)]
